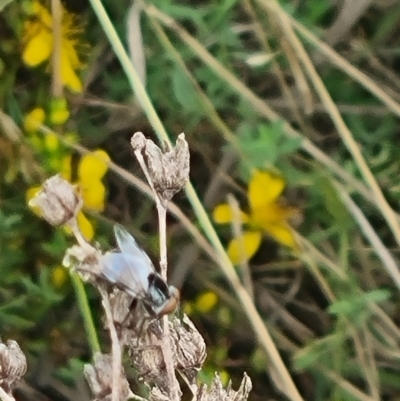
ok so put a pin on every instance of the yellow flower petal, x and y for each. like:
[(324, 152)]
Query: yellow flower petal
[(68, 76), (38, 48), (271, 213), (30, 194), (69, 43), (245, 248), (223, 214), (42, 14), (264, 188), (283, 234), (206, 301), (33, 120), (85, 226), (93, 166), (93, 194)]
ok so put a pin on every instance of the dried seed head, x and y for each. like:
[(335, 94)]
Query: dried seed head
[(126, 316), (99, 377), (84, 260), (57, 201), (157, 394), (146, 356), (189, 348), (216, 392), (167, 171), (12, 364)]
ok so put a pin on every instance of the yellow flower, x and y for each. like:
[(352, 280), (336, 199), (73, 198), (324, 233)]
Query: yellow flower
[(34, 119), (38, 44), (48, 146), (91, 169), (206, 302), (266, 215)]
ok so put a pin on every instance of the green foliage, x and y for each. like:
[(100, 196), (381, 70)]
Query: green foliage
[(357, 307), (266, 145), (328, 301), (319, 351), (25, 300)]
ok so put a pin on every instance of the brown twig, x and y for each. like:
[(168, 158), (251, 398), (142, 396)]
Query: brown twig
[(57, 11), (115, 346)]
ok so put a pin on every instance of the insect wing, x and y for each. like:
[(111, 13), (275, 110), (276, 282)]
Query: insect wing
[(128, 245), (124, 271), (130, 268)]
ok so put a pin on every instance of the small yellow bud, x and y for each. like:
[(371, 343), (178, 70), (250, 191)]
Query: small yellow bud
[(206, 302), (59, 111), (33, 120)]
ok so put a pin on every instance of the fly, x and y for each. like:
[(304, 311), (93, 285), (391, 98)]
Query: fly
[(132, 271)]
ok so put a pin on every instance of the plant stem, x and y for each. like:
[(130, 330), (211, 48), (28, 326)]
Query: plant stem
[(162, 221), (86, 313), (165, 342), (115, 347), (80, 291), (57, 11)]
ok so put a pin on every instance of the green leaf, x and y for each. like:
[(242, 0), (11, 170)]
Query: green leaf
[(15, 321), (265, 145), (184, 92), (318, 351), (333, 203), (354, 305)]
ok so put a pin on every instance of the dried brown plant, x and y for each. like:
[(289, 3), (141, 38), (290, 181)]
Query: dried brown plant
[(136, 299), (12, 368)]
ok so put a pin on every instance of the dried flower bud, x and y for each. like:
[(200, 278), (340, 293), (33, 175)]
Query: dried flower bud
[(85, 260), (167, 171), (190, 348), (157, 394), (216, 392), (123, 309), (12, 364), (146, 355), (100, 376), (57, 201)]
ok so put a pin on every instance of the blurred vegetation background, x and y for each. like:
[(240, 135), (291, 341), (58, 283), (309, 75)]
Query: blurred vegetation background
[(291, 111)]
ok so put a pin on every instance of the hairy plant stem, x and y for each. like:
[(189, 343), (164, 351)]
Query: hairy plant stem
[(165, 341), (115, 347), (166, 350), (80, 292)]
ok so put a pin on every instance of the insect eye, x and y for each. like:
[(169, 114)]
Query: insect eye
[(156, 282)]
